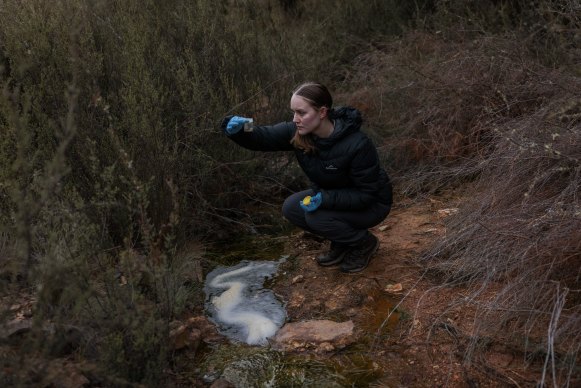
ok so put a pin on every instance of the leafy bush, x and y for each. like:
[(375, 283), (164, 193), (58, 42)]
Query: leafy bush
[(111, 158)]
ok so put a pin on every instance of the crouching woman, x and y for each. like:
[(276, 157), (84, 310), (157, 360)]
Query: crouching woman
[(350, 192)]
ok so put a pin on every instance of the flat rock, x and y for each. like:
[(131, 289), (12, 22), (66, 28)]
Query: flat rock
[(318, 335)]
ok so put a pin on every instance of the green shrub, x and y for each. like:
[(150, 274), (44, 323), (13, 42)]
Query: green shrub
[(111, 157)]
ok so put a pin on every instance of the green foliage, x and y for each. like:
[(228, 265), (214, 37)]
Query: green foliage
[(111, 157), (160, 77), (136, 347)]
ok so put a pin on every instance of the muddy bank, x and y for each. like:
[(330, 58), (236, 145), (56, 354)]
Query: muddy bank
[(405, 327), (371, 303)]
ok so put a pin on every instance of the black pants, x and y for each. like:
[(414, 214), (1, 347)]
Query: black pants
[(340, 226)]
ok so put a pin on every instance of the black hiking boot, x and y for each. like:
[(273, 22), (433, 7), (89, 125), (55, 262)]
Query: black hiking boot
[(334, 256), (358, 258)]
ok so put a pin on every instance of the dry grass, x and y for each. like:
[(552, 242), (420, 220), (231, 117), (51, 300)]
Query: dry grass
[(522, 227), (435, 104), (488, 115)]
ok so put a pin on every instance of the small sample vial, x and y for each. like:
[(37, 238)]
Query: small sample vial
[(249, 126)]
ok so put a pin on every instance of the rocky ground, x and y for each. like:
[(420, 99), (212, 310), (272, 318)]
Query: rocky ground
[(413, 329)]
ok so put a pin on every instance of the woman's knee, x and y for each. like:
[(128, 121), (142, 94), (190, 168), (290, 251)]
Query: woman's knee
[(291, 209), (321, 220), (288, 208)]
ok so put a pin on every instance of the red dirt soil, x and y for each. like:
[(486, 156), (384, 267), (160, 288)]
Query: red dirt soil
[(423, 342)]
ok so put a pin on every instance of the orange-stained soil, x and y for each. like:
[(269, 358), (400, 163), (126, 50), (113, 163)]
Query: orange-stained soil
[(413, 328), (415, 331)]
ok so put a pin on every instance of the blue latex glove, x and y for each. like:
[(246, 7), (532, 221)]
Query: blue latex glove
[(310, 204), (235, 124)]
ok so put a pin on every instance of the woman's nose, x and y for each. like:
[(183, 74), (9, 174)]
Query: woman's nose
[(296, 118)]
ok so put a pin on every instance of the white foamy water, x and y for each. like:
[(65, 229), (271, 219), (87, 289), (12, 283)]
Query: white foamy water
[(239, 305)]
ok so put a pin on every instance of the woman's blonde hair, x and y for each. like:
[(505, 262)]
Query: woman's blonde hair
[(318, 96)]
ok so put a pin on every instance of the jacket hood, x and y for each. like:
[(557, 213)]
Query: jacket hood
[(347, 121)]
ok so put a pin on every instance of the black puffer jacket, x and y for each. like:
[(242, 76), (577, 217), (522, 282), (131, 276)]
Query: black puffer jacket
[(345, 168)]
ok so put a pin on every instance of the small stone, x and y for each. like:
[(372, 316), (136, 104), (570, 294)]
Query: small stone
[(394, 288), (194, 339), (298, 279), (208, 332), (296, 300), (191, 333), (325, 347), (179, 338), (442, 213)]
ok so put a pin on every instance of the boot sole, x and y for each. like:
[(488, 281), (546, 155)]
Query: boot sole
[(355, 270), (338, 260)]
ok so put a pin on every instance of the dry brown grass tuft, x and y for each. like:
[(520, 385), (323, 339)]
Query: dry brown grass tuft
[(487, 114), (440, 102), (522, 227)]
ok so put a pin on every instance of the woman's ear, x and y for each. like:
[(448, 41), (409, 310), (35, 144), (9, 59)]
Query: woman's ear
[(323, 112)]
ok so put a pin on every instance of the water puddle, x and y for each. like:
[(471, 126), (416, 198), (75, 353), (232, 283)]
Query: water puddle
[(382, 314), (263, 367), (239, 305), (244, 309)]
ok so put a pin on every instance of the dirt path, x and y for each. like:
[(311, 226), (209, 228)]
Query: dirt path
[(411, 334)]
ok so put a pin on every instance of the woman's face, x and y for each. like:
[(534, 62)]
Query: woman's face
[(307, 118)]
